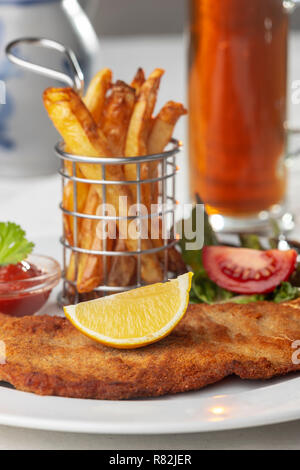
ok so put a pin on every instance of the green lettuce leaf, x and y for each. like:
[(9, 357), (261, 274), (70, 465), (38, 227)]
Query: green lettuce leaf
[(247, 299), (204, 290), (284, 292)]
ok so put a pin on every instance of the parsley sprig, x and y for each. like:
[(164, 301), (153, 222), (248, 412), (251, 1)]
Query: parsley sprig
[(14, 247)]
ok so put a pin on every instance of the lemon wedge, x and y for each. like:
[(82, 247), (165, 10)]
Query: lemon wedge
[(135, 318)]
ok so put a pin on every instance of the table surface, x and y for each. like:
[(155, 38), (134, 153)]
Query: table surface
[(33, 203)]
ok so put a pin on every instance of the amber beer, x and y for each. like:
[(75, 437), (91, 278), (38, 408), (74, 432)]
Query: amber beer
[(237, 104)]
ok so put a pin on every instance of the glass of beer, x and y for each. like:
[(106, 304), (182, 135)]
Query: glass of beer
[(237, 108)]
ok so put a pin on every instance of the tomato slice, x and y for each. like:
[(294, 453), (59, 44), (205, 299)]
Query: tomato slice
[(247, 271)]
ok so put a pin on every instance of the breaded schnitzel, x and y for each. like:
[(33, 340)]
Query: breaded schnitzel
[(48, 356)]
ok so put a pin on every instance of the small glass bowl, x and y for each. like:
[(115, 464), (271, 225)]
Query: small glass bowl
[(26, 296)]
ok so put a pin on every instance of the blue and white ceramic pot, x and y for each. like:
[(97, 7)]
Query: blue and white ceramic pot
[(26, 134)]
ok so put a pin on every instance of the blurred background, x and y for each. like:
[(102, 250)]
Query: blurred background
[(119, 17), (116, 17)]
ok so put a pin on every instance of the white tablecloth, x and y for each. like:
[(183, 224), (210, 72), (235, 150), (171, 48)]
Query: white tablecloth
[(34, 204)]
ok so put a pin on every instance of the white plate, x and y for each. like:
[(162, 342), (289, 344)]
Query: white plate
[(229, 404)]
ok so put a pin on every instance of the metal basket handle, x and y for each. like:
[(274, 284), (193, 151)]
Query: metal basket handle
[(76, 81)]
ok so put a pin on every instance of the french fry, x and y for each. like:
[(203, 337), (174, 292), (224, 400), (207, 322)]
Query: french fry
[(89, 269), (160, 136), (114, 124), (96, 92), (91, 274), (94, 100), (136, 143), (80, 133), (138, 80), (85, 238), (76, 125), (116, 117), (60, 116), (163, 126), (138, 132), (68, 203), (93, 271), (123, 268), (71, 269)]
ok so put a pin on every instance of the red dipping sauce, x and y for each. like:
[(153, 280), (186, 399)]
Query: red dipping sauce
[(26, 286), (16, 272)]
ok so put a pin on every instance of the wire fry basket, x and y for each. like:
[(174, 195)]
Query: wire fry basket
[(166, 214), (163, 182)]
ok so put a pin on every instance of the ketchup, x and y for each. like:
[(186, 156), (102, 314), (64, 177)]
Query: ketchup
[(16, 272), (14, 300)]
